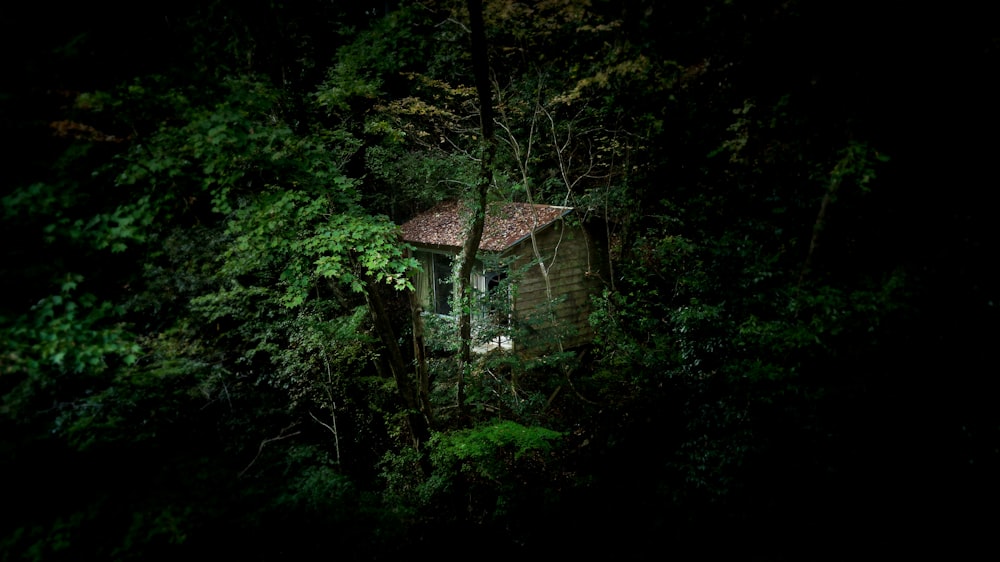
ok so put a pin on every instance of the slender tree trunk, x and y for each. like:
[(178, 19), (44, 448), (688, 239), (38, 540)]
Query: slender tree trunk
[(418, 425), (420, 357), (480, 69), (836, 178)]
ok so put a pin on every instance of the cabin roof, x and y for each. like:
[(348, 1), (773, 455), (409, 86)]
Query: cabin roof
[(506, 224)]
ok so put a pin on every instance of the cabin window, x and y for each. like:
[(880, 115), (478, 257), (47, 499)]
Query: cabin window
[(497, 296), (495, 310), (438, 283), (442, 284)]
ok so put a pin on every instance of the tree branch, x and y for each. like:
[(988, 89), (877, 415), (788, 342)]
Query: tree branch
[(481, 71), (333, 428), (260, 449)]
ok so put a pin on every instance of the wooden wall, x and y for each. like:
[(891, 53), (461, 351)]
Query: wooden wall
[(574, 275)]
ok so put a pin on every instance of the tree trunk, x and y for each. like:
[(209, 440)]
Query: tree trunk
[(480, 69), (420, 357), (418, 425)]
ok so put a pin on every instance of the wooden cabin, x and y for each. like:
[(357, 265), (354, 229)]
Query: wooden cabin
[(508, 275)]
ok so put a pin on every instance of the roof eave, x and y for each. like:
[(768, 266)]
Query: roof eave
[(536, 230), (507, 247)]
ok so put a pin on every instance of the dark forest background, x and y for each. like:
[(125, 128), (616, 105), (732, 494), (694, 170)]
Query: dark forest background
[(206, 325)]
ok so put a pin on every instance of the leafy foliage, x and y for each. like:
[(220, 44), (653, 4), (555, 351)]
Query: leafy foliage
[(500, 463), (210, 345)]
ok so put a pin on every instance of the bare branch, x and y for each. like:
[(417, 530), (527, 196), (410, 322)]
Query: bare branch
[(333, 428), (260, 449), (523, 160), (322, 423), (456, 22)]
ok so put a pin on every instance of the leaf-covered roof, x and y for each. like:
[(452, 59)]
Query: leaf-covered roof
[(506, 224)]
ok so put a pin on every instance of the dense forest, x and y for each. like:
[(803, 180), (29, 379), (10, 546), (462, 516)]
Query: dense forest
[(211, 344)]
